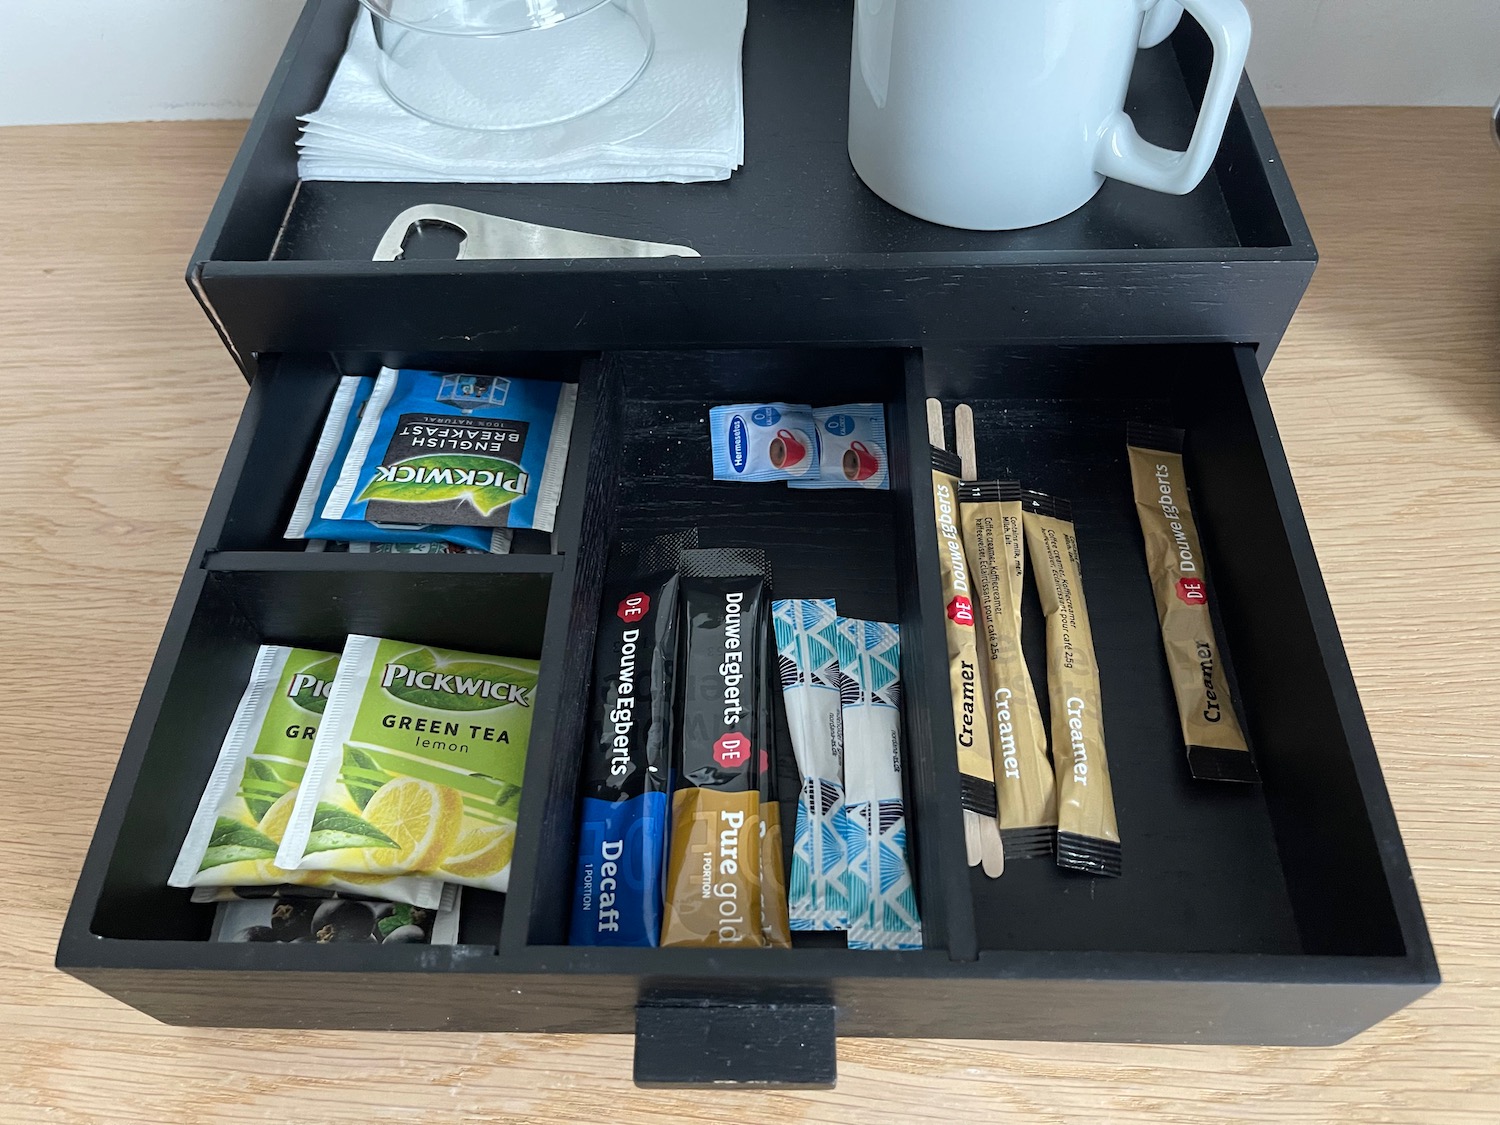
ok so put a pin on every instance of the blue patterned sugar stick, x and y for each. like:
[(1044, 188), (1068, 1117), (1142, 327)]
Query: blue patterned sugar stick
[(807, 658), (882, 899)]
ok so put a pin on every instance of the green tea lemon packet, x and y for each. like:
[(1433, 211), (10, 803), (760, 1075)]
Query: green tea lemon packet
[(417, 767), (243, 814)]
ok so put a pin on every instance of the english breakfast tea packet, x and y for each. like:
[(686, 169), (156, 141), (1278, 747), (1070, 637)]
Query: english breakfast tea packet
[(622, 836), (851, 448), (714, 846), (243, 814), (763, 441), (1088, 838), (1216, 745), (468, 450), (417, 767), (995, 546), (339, 427), (882, 898), (808, 665)]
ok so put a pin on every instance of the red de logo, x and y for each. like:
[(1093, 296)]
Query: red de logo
[(961, 610), (732, 750), (634, 608), (1191, 591)]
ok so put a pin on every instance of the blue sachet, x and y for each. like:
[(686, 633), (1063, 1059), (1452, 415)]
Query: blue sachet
[(763, 441), (339, 428), (483, 451)]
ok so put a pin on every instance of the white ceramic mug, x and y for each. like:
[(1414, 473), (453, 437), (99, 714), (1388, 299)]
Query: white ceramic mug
[(998, 114)]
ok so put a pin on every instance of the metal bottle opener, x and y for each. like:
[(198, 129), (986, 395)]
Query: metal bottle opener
[(493, 236)]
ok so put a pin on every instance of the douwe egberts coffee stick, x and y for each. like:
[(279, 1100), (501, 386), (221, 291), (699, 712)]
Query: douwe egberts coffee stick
[(970, 727), (1216, 746), (1088, 838), (994, 543), (713, 884)]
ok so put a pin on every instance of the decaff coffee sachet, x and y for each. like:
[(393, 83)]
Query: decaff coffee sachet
[(622, 839)]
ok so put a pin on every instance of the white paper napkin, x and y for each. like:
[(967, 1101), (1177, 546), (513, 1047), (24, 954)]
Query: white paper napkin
[(683, 120)]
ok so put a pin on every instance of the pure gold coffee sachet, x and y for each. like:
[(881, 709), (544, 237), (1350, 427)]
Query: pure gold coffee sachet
[(714, 850)]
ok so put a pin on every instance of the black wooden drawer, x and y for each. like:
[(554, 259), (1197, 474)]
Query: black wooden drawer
[(1279, 914)]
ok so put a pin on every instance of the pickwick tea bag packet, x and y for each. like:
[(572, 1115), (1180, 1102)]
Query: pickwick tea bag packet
[(995, 545), (851, 448), (502, 539), (336, 920), (1216, 746), (1088, 838), (882, 899), (622, 838), (775, 918), (976, 768), (447, 900), (763, 441), (808, 666), (714, 846), (467, 450), (243, 814), (339, 428), (417, 767)]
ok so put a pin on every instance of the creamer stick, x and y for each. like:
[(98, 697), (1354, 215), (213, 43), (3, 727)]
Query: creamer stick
[(970, 728), (1216, 746), (995, 545), (1088, 838)]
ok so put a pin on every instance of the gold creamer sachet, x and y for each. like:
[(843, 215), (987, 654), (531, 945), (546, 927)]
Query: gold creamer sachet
[(995, 544), (1217, 749), (1088, 838)]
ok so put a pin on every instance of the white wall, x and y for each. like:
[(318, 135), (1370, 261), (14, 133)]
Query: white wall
[(1376, 52), (134, 60), (123, 60)]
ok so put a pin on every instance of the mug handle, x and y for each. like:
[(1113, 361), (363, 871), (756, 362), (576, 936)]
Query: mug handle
[(1121, 154), (1161, 21)]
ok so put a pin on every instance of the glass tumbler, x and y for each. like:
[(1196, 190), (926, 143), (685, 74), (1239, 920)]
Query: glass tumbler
[(509, 64)]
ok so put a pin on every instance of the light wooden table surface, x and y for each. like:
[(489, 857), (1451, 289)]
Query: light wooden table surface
[(117, 402)]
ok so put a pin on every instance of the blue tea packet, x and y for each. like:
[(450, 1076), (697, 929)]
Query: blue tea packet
[(763, 441), (339, 428), (808, 668), (622, 839), (852, 449), (480, 451), (882, 898)]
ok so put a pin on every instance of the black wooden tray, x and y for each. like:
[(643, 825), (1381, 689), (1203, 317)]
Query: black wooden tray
[(1283, 914), (795, 248)]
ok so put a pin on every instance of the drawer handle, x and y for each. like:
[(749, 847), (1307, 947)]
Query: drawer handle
[(708, 1042)]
